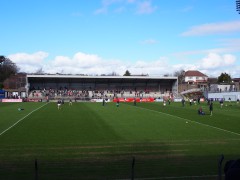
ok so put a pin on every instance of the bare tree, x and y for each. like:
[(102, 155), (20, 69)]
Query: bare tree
[(39, 71), (167, 75), (113, 74), (7, 68), (180, 74)]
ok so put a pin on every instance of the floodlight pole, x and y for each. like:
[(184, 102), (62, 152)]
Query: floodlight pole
[(238, 6)]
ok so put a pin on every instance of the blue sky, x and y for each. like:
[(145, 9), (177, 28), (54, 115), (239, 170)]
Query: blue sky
[(154, 37)]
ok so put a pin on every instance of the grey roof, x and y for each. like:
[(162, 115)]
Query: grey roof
[(59, 76)]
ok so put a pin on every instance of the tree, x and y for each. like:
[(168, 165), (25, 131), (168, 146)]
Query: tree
[(39, 71), (167, 75), (127, 73), (224, 78), (2, 58), (7, 68), (180, 75), (113, 74)]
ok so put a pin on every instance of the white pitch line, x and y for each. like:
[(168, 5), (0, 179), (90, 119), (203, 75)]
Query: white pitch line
[(192, 121), (21, 119)]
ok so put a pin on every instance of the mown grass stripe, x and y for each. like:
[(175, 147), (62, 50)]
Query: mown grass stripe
[(190, 121), (21, 119), (175, 177)]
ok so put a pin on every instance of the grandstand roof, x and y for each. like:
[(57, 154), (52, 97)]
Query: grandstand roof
[(58, 76), (195, 73), (98, 79)]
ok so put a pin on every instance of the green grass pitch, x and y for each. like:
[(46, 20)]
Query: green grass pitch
[(91, 141)]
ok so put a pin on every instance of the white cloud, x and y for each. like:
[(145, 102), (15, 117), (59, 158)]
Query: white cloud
[(185, 67), (213, 28), (230, 42), (187, 9), (227, 49), (119, 10), (81, 63), (105, 6), (131, 1), (145, 7), (149, 41), (109, 2), (29, 62), (214, 61), (24, 58), (102, 10)]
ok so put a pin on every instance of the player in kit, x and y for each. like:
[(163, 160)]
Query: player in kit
[(183, 102), (211, 108), (117, 102), (70, 102), (221, 103), (59, 103), (134, 102)]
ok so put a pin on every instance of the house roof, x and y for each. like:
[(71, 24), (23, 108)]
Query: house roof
[(236, 79), (194, 73), (213, 80)]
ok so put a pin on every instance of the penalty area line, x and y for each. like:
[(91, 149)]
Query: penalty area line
[(220, 129), (22, 119)]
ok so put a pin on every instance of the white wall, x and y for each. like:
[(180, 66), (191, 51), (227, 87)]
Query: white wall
[(195, 78), (221, 87), (233, 95)]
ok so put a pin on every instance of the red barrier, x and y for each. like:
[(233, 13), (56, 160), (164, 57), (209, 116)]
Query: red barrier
[(11, 100), (132, 99), (33, 100)]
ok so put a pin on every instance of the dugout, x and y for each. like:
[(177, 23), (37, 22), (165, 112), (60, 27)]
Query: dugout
[(145, 84), (2, 94)]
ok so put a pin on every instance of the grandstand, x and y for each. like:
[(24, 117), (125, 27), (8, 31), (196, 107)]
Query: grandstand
[(192, 93), (88, 87)]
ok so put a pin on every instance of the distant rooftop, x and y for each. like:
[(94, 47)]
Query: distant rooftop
[(194, 73)]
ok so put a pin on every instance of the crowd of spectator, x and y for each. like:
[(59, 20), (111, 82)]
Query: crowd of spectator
[(64, 92)]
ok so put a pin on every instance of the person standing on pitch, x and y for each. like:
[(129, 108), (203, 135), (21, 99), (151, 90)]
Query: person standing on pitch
[(103, 102), (183, 102), (135, 102), (169, 101), (198, 100), (221, 103), (59, 103), (117, 102), (70, 102), (211, 108)]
